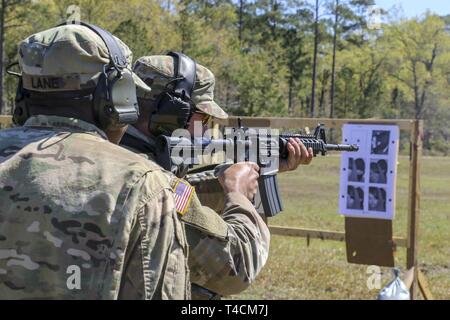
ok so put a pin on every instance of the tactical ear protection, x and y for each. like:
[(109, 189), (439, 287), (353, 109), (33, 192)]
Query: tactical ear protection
[(174, 107), (114, 99), (21, 112)]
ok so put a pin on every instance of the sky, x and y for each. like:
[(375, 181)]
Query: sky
[(412, 8)]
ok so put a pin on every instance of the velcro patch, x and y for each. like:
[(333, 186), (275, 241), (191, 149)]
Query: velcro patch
[(49, 83), (183, 194)]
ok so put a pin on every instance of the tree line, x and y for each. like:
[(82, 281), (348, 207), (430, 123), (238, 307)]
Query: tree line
[(316, 58)]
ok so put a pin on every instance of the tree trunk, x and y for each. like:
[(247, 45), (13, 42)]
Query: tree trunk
[(323, 92), (345, 98), (2, 38), (241, 13), (302, 105), (290, 97), (308, 105), (227, 94), (333, 67), (416, 90), (274, 10), (316, 44), (182, 26)]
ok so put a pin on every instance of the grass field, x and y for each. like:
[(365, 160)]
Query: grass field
[(321, 271)]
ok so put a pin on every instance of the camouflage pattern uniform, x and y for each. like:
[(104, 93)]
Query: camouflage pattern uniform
[(207, 186), (71, 200), (227, 251)]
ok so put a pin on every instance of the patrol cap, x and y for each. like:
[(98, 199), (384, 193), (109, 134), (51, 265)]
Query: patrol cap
[(157, 71), (67, 58)]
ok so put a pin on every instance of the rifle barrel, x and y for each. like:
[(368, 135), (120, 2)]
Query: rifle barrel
[(342, 147)]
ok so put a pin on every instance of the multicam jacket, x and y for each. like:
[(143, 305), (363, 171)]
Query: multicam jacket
[(82, 218)]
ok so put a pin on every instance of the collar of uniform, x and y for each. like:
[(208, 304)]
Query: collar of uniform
[(63, 122), (132, 131), (179, 171)]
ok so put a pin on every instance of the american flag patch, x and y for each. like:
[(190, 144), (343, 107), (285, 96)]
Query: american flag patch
[(183, 195)]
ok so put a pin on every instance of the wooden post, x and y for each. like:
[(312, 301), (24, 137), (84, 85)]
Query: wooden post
[(323, 234), (277, 122), (424, 287), (6, 120), (409, 277), (414, 202)]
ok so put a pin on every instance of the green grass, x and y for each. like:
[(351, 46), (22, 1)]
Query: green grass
[(321, 271)]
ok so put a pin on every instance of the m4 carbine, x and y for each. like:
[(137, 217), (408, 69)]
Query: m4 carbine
[(246, 145)]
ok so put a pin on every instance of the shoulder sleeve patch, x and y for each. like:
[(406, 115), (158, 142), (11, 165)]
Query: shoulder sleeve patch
[(183, 194)]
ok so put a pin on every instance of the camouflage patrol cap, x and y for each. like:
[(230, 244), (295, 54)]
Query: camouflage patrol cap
[(67, 58), (157, 71)]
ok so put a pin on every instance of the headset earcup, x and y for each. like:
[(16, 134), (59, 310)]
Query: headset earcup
[(172, 113), (124, 99), (174, 109), (20, 114), (115, 101), (100, 102)]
